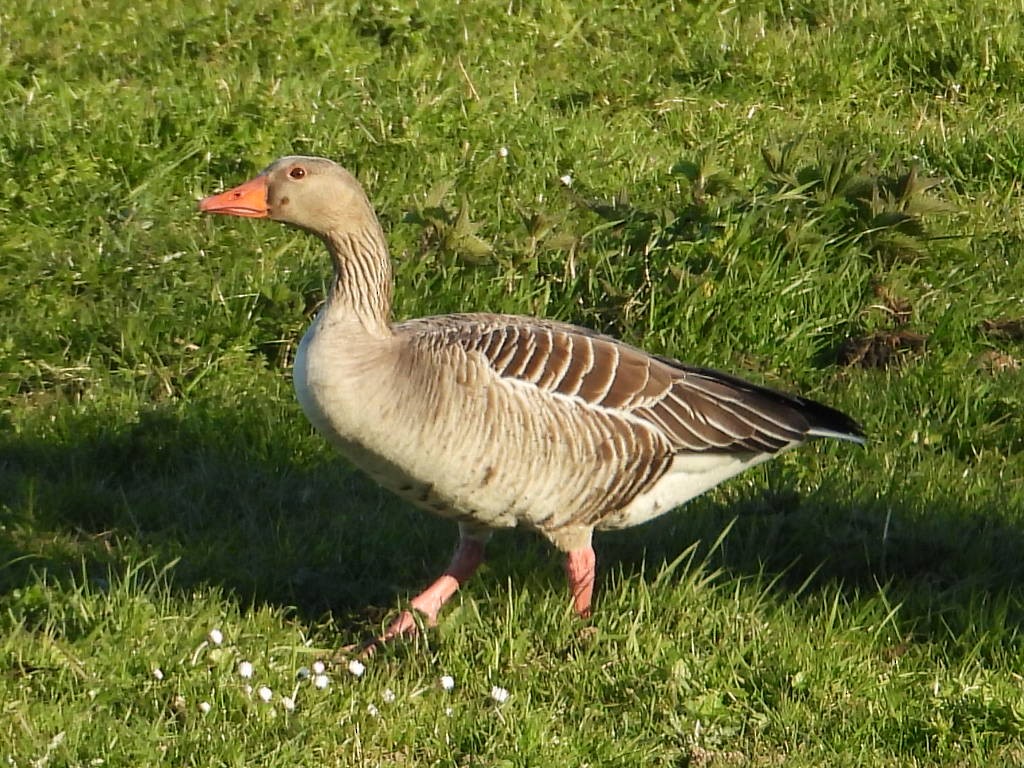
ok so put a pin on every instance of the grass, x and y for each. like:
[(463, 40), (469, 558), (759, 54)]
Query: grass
[(750, 189)]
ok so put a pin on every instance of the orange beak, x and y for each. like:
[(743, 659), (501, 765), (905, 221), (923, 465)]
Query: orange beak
[(248, 199)]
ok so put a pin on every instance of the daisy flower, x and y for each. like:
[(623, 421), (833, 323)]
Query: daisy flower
[(499, 694)]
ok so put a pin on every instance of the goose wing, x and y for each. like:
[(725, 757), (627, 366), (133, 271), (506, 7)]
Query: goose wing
[(696, 410)]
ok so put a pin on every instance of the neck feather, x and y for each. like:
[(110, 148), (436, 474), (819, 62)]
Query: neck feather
[(362, 277)]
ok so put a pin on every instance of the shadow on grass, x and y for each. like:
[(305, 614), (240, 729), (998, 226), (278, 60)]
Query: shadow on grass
[(213, 493), (251, 513), (940, 565)]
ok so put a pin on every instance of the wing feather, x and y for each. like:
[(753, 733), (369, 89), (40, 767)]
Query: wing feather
[(581, 360), (558, 362), (600, 380)]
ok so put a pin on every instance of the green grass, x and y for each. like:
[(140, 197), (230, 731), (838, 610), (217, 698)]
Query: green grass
[(739, 199)]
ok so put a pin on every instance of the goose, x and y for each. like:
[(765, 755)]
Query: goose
[(500, 420)]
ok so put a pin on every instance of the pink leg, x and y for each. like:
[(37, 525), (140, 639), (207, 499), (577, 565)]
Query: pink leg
[(579, 567), (467, 558)]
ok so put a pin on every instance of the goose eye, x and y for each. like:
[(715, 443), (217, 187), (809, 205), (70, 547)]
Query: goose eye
[(297, 172)]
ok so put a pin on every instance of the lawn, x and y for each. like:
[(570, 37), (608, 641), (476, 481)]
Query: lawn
[(822, 196)]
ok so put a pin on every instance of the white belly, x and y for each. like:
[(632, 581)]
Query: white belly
[(688, 476)]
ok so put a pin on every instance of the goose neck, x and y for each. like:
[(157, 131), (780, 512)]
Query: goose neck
[(361, 288)]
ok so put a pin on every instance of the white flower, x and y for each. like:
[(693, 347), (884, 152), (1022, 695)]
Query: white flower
[(318, 667), (372, 710), (264, 693), (499, 694), (215, 636), (388, 695), (204, 707), (447, 682), (245, 669), (321, 681), (356, 667), (288, 703), (566, 180), (158, 673), (503, 152), (449, 711)]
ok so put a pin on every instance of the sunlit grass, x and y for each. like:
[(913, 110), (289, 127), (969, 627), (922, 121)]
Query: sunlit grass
[(745, 186)]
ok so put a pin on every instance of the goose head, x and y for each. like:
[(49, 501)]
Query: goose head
[(312, 193)]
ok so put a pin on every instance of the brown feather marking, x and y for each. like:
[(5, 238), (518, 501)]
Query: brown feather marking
[(753, 414), (506, 350), (491, 343), (716, 425), (630, 378), (676, 424), (523, 348), (599, 379), (559, 358), (713, 429), (536, 366), (581, 360), (761, 424)]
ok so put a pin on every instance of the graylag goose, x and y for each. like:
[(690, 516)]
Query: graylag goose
[(501, 420)]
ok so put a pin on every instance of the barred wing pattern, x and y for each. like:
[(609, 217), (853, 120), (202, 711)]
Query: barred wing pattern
[(696, 410)]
